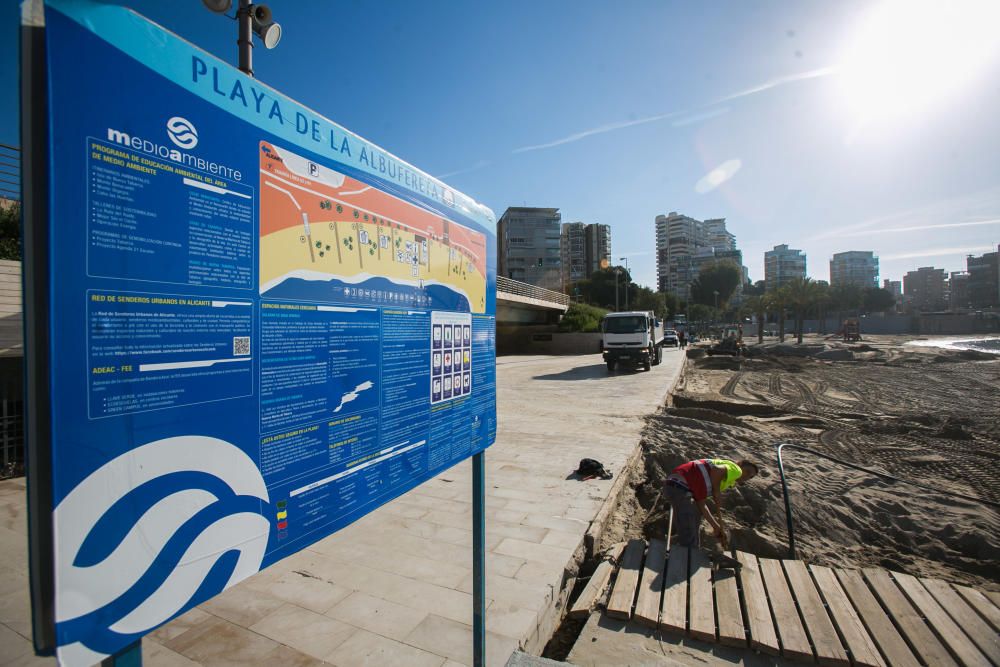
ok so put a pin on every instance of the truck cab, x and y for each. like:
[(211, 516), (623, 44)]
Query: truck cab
[(632, 338)]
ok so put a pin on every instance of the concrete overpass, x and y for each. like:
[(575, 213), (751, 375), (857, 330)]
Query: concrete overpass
[(523, 304)]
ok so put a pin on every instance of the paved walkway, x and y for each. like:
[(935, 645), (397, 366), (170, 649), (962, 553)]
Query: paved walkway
[(396, 586)]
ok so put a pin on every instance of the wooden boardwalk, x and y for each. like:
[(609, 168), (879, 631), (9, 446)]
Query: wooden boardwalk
[(809, 613)]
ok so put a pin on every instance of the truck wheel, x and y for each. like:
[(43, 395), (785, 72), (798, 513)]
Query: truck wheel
[(659, 356), (646, 365), (611, 366)]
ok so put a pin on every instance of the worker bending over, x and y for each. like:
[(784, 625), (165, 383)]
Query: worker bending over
[(690, 484)]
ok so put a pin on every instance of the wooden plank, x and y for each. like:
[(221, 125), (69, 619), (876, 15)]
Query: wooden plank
[(623, 595), (794, 642), (675, 591), (701, 618), (597, 584), (826, 643), (888, 639), (762, 634), (852, 628), (727, 607), (982, 635), (994, 597), (981, 604), (940, 621), (907, 619), (647, 605)]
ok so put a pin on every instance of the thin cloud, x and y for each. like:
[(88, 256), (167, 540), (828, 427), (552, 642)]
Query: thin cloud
[(611, 127), (476, 167), (979, 204), (780, 81), (699, 117), (693, 115), (920, 228), (938, 252)]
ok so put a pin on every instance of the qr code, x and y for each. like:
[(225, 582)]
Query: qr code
[(241, 346)]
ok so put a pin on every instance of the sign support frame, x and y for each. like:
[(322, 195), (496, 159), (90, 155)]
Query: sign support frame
[(36, 285), (479, 559)]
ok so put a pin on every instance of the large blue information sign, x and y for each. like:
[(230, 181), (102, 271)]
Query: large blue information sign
[(261, 327)]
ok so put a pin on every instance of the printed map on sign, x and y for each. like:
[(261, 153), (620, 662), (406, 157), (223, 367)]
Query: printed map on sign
[(325, 236)]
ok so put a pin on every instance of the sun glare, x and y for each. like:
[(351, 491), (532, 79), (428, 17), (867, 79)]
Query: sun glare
[(908, 56)]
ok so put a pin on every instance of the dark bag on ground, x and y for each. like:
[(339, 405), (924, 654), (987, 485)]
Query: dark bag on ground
[(592, 468)]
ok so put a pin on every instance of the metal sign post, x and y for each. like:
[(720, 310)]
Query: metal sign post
[(479, 559)]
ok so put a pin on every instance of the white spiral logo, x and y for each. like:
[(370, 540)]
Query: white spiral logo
[(182, 132), (145, 533)]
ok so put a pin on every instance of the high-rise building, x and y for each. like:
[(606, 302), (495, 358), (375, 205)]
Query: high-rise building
[(925, 289), (984, 280), (684, 245), (958, 290), (528, 246), (782, 265), (895, 287), (584, 249), (854, 267), (717, 236), (598, 249), (573, 240)]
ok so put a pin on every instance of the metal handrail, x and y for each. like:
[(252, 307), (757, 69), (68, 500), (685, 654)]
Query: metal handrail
[(518, 288)]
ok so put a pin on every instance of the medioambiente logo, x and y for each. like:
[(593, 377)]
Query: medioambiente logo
[(182, 132)]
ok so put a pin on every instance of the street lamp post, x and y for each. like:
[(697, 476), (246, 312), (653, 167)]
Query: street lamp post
[(715, 314), (618, 272), (627, 279), (250, 18)]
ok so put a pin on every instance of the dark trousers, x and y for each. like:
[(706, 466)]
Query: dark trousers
[(687, 518)]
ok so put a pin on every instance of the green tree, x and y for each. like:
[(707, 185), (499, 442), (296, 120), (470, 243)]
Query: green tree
[(599, 289), (643, 298), (846, 299), (10, 231), (720, 279), (582, 317), (878, 300), (821, 303), (699, 313), (778, 300), (754, 289), (802, 294), (758, 305)]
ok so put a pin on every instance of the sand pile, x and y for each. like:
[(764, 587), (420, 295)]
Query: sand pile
[(929, 416)]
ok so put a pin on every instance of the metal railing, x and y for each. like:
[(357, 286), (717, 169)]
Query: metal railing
[(10, 172), (517, 288), (11, 438)]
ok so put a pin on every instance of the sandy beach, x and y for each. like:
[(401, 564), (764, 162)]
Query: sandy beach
[(925, 414)]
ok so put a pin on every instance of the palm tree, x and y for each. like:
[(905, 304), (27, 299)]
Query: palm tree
[(802, 294), (757, 305), (778, 301), (821, 301)]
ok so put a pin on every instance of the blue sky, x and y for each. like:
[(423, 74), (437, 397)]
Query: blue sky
[(618, 112)]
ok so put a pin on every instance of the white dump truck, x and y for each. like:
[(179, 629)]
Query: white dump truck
[(631, 339)]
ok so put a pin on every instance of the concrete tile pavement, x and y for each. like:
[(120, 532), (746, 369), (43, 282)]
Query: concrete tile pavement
[(395, 587)]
